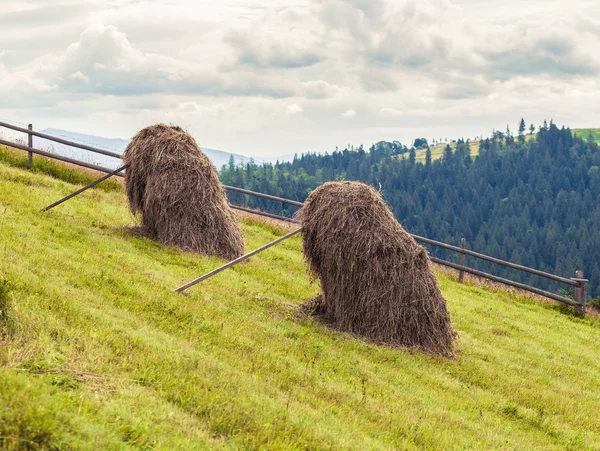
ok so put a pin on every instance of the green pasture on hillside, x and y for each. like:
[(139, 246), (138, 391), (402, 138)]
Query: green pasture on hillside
[(585, 132), (97, 352)]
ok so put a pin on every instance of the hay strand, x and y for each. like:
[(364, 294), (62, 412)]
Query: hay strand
[(175, 189), (376, 280)]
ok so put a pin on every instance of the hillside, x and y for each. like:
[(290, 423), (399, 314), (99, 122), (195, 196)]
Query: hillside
[(97, 352), (585, 132), (437, 151)]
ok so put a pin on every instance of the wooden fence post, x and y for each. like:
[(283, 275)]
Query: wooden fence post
[(580, 291), (578, 275), (461, 273), (584, 289), (30, 144)]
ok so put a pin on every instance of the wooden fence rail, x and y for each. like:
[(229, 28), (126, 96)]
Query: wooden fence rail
[(44, 153), (29, 131), (463, 251), (508, 282), (578, 282)]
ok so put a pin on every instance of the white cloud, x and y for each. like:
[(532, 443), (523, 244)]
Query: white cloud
[(349, 113), (217, 109), (189, 107), (456, 87), (389, 112), (103, 62), (115, 66), (319, 89), (293, 109), (79, 77), (281, 38)]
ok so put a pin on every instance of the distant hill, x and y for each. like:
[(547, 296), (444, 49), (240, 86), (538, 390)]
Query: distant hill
[(118, 145)]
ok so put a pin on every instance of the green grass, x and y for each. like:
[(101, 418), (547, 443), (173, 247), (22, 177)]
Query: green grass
[(437, 151), (53, 168), (585, 132), (97, 352)]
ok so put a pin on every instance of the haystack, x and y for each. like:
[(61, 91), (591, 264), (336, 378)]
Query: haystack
[(376, 280), (175, 189)]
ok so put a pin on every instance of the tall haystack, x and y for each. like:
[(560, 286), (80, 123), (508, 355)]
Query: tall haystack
[(376, 280), (175, 189)]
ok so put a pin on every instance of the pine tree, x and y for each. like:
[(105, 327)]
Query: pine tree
[(522, 131), (448, 153), (412, 156), (509, 135)]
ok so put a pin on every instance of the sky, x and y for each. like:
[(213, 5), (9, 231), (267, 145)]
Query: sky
[(277, 77)]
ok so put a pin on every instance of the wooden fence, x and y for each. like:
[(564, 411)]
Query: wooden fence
[(578, 282)]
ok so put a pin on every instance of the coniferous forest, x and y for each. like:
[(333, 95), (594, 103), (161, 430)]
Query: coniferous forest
[(533, 201)]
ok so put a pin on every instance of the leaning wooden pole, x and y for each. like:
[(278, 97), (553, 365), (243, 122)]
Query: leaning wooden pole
[(81, 190), (236, 261)]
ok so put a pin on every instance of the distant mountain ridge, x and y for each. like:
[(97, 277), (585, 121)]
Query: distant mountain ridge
[(118, 145)]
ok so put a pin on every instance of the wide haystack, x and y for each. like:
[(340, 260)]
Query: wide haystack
[(376, 280), (176, 190)]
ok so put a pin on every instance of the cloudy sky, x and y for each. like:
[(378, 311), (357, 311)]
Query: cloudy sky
[(272, 77)]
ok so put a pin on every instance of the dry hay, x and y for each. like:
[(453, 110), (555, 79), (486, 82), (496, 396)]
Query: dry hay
[(175, 189), (376, 280)]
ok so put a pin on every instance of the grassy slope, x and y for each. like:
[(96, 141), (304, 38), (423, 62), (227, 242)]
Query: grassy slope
[(585, 132), (438, 150), (99, 353)]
